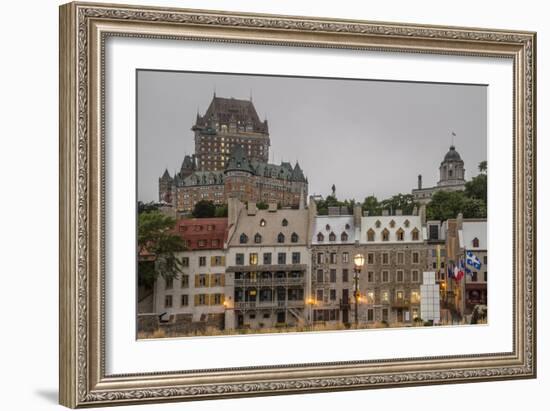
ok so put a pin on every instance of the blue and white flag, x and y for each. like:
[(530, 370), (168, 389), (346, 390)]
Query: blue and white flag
[(472, 260)]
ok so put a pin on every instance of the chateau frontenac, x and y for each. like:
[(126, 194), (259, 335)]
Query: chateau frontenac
[(231, 161)]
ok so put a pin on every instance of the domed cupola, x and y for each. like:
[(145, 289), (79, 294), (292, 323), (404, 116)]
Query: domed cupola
[(451, 170)]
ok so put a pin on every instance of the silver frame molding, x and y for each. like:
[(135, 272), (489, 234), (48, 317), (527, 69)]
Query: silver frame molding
[(83, 30)]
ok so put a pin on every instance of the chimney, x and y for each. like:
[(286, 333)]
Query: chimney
[(272, 207), (415, 210), (334, 210), (251, 209), (357, 211), (422, 214), (302, 204), (385, 213), (459, 219), (420, 181), (398, 212)]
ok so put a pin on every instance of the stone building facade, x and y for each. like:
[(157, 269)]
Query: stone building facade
[(451, 177), (268, 266), (231, 161), (396, 255), (196, 298)]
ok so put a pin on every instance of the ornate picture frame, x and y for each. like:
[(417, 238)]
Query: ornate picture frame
[(84, 28)]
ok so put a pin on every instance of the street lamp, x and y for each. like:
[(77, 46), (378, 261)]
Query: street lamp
[(359, 261)]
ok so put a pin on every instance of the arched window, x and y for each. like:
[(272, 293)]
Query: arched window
[(332, 237), (370, 235), (285, 222), (475, 242), (344, 237), (294, 238), (378, 224), (320, 237), (327, 227), (392, 223), (257, 238), (406, 223), (385, 235), (348, 226), (281, 238), (400, 235), (243, 239), (262, 223), (415, 234)]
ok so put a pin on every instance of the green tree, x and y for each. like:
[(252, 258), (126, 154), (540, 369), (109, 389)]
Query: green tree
[(221, 211), (404, 202), (477, 188), (157, 245), (145, 207), (262, 205), (482, 167), (371, 205), (204, 209), (448, 204)]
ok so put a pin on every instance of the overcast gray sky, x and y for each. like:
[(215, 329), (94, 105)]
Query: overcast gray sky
[(366, 137)]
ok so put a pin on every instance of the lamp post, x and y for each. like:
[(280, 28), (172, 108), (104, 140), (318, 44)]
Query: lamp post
[(359, 261)]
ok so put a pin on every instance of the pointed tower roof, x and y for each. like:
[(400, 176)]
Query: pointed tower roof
[(166, 175), (297, 173), (238, 161)]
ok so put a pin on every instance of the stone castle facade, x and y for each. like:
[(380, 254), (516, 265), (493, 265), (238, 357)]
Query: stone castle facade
[(231, 161)]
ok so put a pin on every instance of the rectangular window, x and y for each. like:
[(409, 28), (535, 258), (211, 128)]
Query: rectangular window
[(385, 276), (295, 258), (370, 314), (184, 300), (320, 258), (345, 257), (484, 259), (217, 260), (345, 275), (202, 243), (281, 258), (215, 243), (370, 297), (385, 297), (415, 257), (332, 275), (217, 280), (253, 259), (385, 314), (385, 258), (185, 261), (333, 258), (400, 258), (167, 301), (370, 276), (370, 258), (415, 276), (415, 297), (400, 276), (201, 280), (320, 276), (202, 261), (184, 281), (267, 258), (216, 299), (399, 295), (474, 276), (319, 295), (485, 276), (434, 232), (169, 283), (239, 259), (332, 295), (201, 299)]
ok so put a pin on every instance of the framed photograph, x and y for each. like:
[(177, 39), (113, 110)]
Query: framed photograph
[(261, 205)]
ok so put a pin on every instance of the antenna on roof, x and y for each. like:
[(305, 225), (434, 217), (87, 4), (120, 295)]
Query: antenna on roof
[(251, 95), (453, 135), (214, 91)]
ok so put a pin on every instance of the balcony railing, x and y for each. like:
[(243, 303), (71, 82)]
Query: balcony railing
[(242, 305), (251, 282)]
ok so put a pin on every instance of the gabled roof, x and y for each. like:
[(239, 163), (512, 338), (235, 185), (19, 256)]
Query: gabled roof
[(369, 223), (337, 225)]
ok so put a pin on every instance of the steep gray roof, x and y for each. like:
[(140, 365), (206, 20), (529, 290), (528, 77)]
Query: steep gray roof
[(231, 110), (452, 155)]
